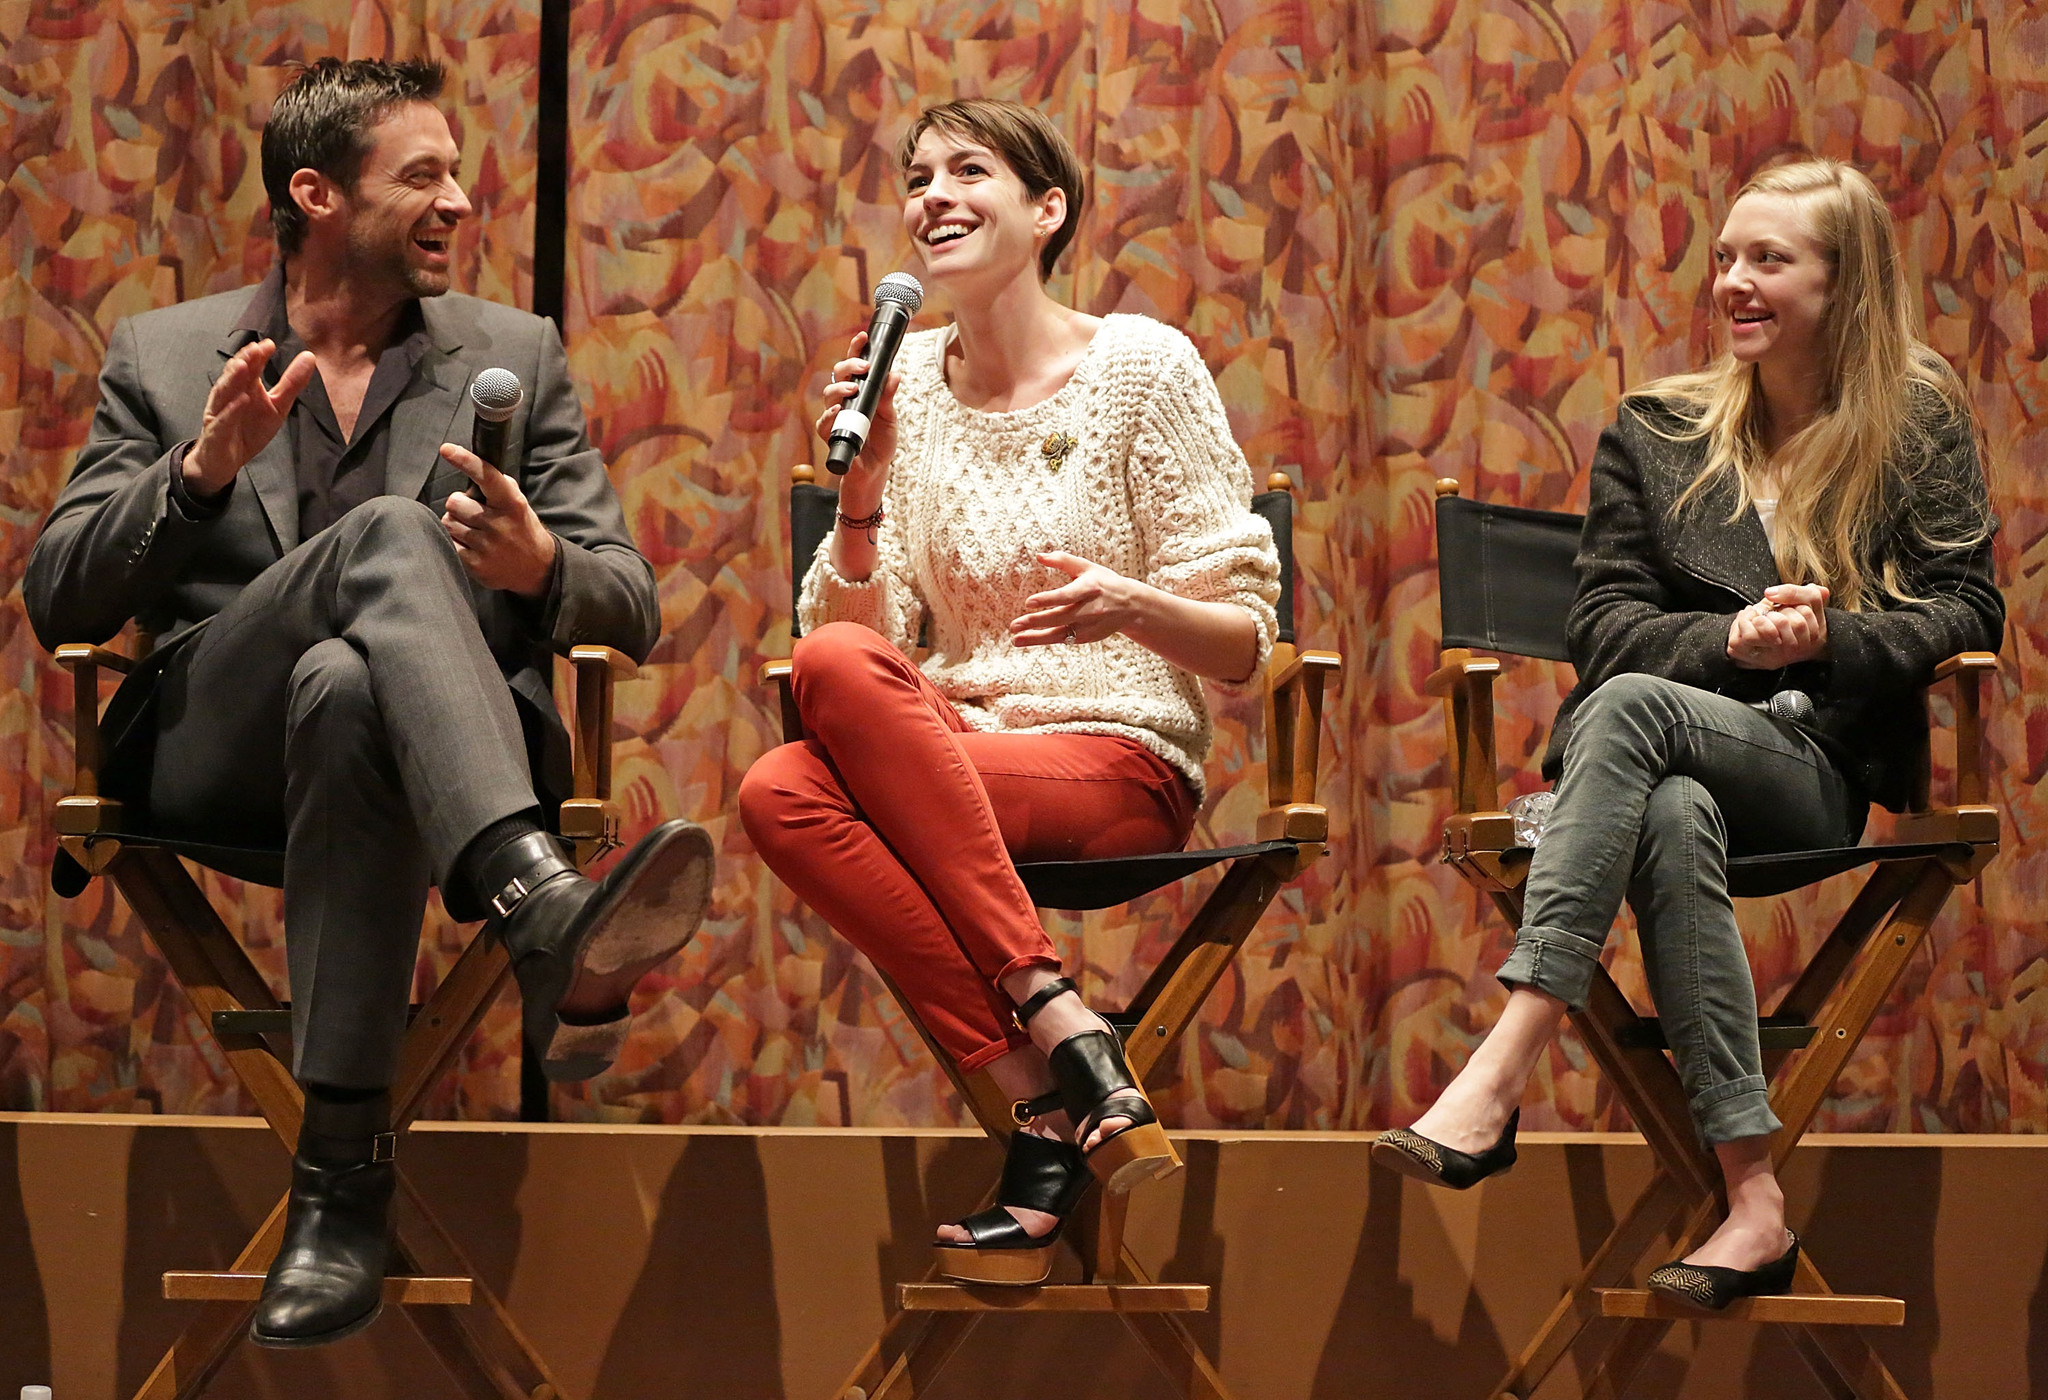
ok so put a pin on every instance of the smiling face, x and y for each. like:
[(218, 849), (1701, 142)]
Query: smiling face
[(969, 215), (1771, 282), (406, 203)]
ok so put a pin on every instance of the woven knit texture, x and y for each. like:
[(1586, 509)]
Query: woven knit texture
[(1153, 487)]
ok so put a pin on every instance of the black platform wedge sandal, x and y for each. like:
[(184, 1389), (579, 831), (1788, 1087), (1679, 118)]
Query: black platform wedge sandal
[(1039, 1173), (1095, 1083)]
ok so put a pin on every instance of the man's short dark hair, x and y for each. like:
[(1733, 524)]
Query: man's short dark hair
[(322, 121)]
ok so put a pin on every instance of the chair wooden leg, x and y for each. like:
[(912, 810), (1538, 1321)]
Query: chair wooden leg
[(916, 1343), (212, 1333), (1854, 1004), (1844, 1364), (445, 1024), (906, 1359), (214, 971), (1577, 1314), (481, 1339), (1172, 996), (480, 1346), (1178, 1355)]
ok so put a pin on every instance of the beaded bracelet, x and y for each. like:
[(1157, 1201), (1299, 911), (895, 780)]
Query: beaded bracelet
[(870, 523)]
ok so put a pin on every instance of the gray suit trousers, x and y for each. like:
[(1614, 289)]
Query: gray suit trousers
[(345, 704)]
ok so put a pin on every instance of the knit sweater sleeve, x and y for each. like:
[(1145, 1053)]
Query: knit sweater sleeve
[(886, 600), (1191, 495)]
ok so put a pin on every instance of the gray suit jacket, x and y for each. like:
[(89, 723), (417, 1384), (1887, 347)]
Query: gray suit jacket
[(117, 545)]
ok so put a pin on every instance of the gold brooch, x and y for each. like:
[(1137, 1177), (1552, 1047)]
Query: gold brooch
[(1055, 448)]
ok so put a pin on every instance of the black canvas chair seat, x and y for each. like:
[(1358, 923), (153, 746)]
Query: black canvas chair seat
[(1103, 884), (1756, 877), (253, 864)]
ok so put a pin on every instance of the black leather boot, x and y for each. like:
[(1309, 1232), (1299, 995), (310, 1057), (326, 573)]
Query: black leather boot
[(566, 931), (327, 1281)]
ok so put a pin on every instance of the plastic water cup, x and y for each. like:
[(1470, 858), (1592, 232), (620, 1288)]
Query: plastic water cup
[(1530, 811), (35, 1392)]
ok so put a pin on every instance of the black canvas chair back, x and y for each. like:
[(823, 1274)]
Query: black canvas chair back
[(1506, 576)]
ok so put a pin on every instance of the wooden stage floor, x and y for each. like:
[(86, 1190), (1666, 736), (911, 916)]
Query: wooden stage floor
[(748, 1264)]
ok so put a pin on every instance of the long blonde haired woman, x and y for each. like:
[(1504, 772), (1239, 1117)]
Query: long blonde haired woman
[(1806, 523)]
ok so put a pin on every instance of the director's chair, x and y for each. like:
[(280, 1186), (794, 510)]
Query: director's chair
[(936, 1315), (1507, 582), (437, 1291)]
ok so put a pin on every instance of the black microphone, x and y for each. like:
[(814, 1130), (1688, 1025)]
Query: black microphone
[(897, 298), (496, 396)]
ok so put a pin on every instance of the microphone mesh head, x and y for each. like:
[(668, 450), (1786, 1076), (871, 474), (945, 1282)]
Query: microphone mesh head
[(496, 394), (902, 288)]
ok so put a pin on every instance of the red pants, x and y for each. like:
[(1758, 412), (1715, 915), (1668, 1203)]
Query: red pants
[(899, 824)]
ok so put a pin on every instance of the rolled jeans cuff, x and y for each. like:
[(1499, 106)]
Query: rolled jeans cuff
[(1012, 1041), (1741, 1108), (1554, 961)]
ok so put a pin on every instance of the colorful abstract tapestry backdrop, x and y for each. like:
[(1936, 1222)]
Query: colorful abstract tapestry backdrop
[(1411, 240)]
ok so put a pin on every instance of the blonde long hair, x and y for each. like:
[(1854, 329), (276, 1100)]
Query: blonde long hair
[(1841, 476)]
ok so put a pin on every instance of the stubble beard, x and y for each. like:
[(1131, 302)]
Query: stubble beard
[(380, 262)]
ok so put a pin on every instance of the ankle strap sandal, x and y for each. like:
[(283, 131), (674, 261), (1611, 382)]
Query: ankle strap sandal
[(1095, 1084), (1039, 1173)]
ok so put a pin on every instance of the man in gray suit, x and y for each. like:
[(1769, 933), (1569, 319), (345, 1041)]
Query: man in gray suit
[(357, 617)]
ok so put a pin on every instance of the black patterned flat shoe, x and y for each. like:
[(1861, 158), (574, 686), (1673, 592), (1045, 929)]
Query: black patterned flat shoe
[(1039, 1173), (1711, 1287), (1412, 1154)]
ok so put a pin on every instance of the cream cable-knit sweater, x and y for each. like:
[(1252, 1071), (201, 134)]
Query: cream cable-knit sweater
[(1153, 487)]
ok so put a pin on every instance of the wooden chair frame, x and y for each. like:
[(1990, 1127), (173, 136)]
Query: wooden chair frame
[(1606, 1325), (936, 1315), (459, 1318)]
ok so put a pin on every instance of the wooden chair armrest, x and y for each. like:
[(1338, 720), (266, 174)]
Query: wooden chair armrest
[(588, 816), (84, 808), (72, 655), (1966, 661), (778, 673), (1465, 682), (615, 663), (1967, 670), (1295, 684)]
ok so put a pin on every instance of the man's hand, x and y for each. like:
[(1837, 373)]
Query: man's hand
[(499, 539), (1100, 601), (242, 416), (1790, 625)]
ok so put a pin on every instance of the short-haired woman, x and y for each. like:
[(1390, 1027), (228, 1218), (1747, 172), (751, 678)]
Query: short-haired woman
[(1057, 497), (1808, 514)]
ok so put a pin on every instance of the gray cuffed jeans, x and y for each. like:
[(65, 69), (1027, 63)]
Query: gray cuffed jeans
[(1662, 782)]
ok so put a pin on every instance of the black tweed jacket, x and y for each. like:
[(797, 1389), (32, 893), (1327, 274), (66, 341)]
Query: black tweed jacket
[(1658, 592)]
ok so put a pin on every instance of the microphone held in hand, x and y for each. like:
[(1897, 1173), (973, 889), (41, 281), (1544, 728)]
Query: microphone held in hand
[(496, 396), (897, 298)]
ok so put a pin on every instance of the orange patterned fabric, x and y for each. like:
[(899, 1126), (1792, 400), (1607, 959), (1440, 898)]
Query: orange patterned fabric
[(1411, 240)]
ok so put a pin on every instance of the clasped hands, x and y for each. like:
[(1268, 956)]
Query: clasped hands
[(1789, 625), (498, 538)]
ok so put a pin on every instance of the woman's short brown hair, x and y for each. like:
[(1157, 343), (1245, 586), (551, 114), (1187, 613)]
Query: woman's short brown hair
[(1029, 144)]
